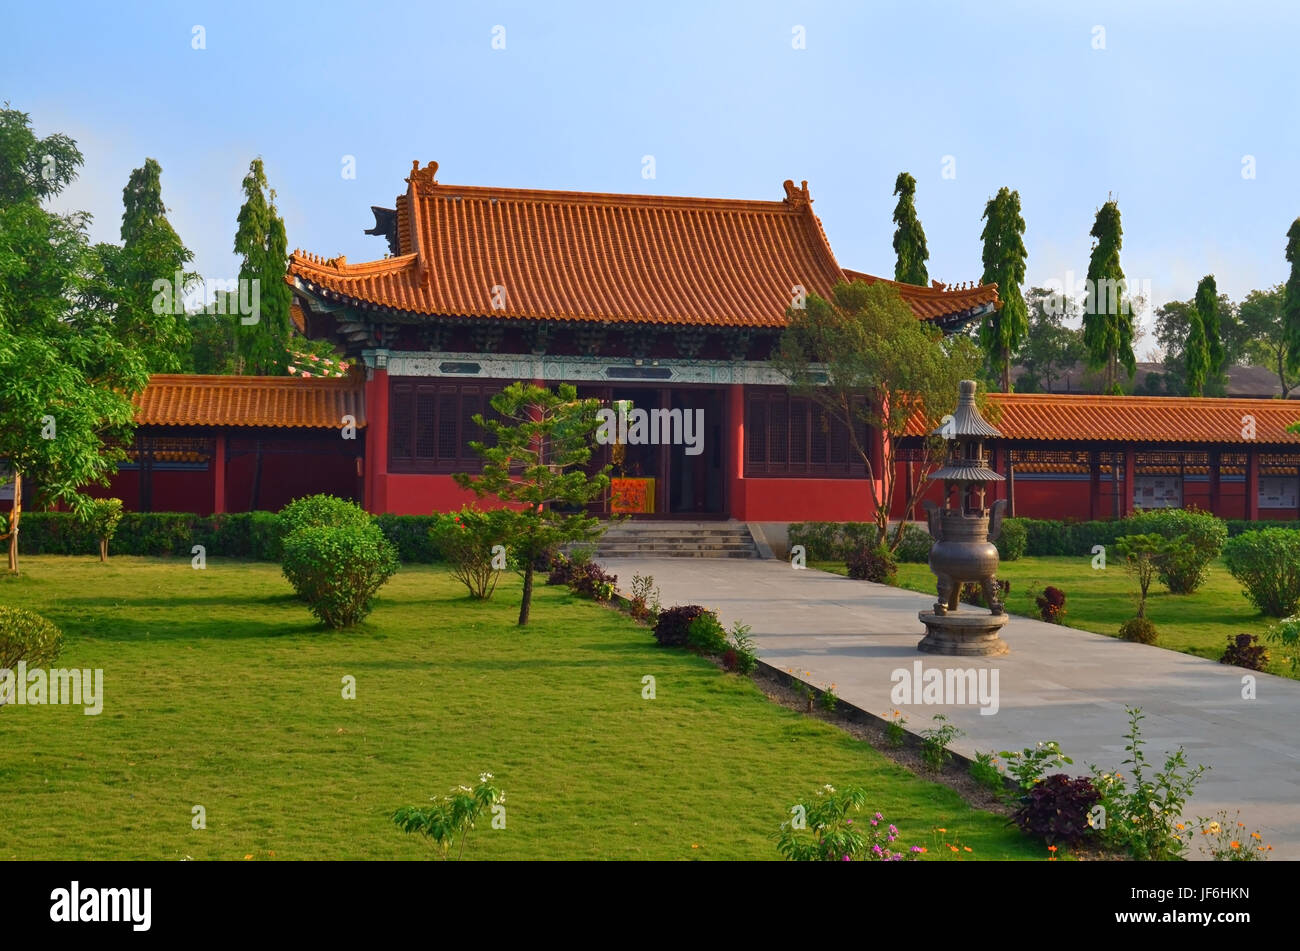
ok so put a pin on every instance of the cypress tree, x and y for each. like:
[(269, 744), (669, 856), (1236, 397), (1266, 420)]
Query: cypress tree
[(909, 238), (1196, 354), (1004, 330), (1107, 320), (1291, 297), (262, 245), (1207, 307)]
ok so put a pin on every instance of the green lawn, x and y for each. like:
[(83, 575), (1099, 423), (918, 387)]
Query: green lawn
[(222, 692), (1101, 601)]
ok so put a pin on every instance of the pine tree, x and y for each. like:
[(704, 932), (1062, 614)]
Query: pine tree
[(1291, 297), (262, 245), (909, 238), (1004, 330), (1107, 319)]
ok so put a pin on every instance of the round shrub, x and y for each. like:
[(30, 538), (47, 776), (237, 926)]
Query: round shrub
[(1013, 540), (25, 635), (1051, 605), (1244, 650), (914, 547), (1056, 809), (706, 635), (872, 563), (1138, 629), (337, 571), (1183, 570), (1267, 563), (471, 542), (673, 628), (321, 511), (590, 580)]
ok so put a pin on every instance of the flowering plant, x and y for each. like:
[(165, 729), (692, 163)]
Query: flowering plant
[(825, 829), (448, 821)]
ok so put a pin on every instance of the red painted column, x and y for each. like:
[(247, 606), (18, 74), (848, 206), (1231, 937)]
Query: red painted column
[(1094, 485), (997, 490), (376, 468), (735, 428), (1252, 483), (1213, 460), (1130, 480), (218, 465)]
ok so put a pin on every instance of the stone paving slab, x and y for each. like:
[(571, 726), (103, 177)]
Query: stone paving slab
[(1057, 683)]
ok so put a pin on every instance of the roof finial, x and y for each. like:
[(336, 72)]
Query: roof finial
[(796, 196), (424, 177)]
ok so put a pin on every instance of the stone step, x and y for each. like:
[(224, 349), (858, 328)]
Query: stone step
[(677, 540)]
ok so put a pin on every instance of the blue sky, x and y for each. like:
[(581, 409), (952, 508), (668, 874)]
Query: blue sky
[(1017, 94)]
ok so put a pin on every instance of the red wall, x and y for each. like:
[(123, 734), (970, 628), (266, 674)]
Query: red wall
[(409, 494), (801, 500)]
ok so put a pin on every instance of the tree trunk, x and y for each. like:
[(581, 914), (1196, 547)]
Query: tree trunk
[(1006, 372), (15, 515), (103, 549), (527, 601)]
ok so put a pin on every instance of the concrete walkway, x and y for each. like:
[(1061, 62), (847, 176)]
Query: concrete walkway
[(1057, 683)]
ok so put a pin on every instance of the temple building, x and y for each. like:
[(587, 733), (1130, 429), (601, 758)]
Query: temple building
[(646, 302), (665, 307)]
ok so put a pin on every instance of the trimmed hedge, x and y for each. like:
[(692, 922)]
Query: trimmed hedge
[(257, 536)]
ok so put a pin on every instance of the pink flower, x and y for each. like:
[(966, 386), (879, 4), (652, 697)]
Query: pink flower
[(847, 859)]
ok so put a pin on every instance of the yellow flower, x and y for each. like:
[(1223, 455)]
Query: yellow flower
[(247, 857), (1255, 835)]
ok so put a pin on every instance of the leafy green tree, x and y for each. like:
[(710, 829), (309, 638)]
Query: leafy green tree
[(1174, 322), (1260, 318), (262, 246), (1107, 317), (66, 379), (909, 237), (865, 358), (537, 465), (1051, 349), (1004, 330), (1291, 299)]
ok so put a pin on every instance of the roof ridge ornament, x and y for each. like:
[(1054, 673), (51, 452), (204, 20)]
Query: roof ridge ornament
[(796, 197), (423, 177)]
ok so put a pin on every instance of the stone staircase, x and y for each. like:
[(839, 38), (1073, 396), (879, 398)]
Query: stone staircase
[(678, 540)]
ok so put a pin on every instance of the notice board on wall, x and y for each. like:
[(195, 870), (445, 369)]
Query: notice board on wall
[(1158, 492), (1278, 492)]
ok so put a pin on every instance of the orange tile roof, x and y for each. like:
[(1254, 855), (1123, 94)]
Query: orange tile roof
[(591, 256), (1152, 419), (282, 402), (937, 300)]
